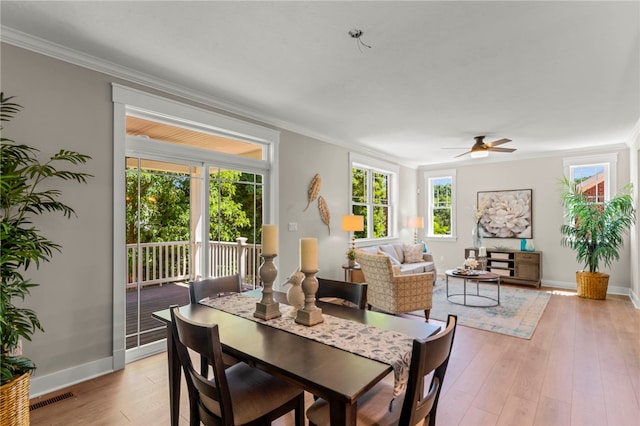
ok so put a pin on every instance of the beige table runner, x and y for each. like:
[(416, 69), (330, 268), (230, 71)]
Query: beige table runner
[(387, 346)]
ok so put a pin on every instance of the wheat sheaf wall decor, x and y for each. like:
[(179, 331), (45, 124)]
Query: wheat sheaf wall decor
[(313, 193)]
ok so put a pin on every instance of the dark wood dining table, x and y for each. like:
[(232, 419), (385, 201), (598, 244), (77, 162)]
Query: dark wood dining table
[(334, 374)]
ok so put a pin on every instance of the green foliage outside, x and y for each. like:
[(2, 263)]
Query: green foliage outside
[(378, 199), (165, 206), (442, 207)]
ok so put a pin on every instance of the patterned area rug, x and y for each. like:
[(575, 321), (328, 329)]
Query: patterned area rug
[(517, 315)]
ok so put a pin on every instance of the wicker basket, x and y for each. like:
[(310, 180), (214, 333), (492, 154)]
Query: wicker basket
[(14, 402), (592, 285)]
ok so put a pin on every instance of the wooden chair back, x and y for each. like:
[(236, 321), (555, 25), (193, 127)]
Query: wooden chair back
[(355, 293), (205, 340), (213, 287), (430, 355)]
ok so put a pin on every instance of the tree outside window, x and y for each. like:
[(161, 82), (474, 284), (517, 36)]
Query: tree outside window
[(440, 203), (370, 195)]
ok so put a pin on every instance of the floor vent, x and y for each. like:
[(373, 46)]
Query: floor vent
[(51, 400)]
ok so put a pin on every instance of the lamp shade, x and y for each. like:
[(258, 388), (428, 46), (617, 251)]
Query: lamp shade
[(352, 222), (415, 222)]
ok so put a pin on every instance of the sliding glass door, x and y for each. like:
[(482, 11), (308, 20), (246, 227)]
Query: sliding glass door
[(195, 190)]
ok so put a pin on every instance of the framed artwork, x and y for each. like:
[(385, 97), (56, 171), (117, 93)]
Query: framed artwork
[(505, 214)]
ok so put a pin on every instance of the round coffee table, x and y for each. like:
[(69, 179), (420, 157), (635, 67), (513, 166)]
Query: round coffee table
[(477, 277)]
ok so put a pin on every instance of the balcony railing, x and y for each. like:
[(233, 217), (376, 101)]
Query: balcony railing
[(167, 262)]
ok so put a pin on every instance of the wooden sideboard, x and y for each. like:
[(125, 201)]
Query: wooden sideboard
[(514, 266)]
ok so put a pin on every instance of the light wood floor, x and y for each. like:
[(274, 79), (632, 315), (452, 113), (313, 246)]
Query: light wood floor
[(582, 367)]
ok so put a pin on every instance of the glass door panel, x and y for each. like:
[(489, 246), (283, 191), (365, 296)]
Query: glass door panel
[(235, 211), (159, 244)]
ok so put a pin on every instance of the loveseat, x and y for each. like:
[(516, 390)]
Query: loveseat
[(408, 258)]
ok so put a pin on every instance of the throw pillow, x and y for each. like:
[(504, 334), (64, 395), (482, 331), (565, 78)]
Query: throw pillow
[(394, 261), (412, 253)]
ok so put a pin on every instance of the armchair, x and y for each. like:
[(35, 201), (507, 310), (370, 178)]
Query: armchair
[(393, 293)]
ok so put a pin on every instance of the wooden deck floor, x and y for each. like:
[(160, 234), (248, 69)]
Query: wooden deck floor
[(152, 298)]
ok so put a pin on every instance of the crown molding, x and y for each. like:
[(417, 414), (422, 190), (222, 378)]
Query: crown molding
[(57, 51)]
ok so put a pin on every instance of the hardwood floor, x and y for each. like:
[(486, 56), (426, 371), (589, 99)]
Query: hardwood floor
[(581, 367)]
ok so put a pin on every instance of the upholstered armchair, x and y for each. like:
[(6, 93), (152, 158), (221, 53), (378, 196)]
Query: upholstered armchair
[(393, 293)]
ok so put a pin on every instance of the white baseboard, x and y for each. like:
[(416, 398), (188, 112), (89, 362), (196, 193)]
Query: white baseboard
[(42, 385), (634, 299), (622, 291)]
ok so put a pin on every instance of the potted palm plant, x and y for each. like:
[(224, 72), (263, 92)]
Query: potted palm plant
[(595, 232), (26, 191)]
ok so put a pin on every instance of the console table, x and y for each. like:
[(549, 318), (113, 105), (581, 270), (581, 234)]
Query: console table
[(514, 266)]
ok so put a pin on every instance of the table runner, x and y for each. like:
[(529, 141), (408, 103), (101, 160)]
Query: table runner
[(387, 346)]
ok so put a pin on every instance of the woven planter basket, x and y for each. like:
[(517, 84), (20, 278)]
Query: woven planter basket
[(14, 402), (592, 285)]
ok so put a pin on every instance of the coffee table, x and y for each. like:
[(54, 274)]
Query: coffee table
[(477, 277)]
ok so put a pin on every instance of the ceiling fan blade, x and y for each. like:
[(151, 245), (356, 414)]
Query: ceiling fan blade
[(460, 147), (498, 142), (501, 149), (460, 155)]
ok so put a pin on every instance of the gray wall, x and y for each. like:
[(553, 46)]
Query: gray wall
[(66, 106), (541, 175), (69, 106)]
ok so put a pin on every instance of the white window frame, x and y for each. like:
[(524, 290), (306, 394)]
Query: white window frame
[(429, 177), (136, 102), (375, 165), (609, 161)]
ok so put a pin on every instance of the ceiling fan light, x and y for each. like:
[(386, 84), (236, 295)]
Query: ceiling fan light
[(481, 153)]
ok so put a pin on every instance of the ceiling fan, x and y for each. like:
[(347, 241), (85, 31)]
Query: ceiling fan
[(481, 149)]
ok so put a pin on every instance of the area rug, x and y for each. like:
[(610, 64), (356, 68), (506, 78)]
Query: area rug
[(517, 315)]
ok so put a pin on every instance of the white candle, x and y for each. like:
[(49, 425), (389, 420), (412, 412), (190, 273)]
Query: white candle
[(483, 252), (269, 239), (309, 254), (472, 253)]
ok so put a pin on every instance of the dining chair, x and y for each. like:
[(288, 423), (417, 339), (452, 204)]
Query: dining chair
[(238, 395), (390, 291), (213, 288), (355, 293), (429, 360)]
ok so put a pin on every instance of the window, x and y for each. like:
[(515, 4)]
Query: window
[(440, 203), (594, 176), (372, 194)]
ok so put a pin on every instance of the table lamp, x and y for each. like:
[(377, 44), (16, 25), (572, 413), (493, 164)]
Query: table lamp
[(352, 223), (416, 223)]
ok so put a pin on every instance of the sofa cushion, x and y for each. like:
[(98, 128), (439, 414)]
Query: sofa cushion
[(412, 253), (393, 250), (370, 249), (393, 260), (416, 268)]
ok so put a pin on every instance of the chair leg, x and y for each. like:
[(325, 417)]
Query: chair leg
[(426, 314), (299, 411)]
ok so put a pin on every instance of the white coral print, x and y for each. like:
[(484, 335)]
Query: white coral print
[(507, 215)]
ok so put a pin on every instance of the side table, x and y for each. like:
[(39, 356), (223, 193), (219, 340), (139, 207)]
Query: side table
[(348, 271)]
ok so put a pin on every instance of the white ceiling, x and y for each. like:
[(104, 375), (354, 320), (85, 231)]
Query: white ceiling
[(551, 76)]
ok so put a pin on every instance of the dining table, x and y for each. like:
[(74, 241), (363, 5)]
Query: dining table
[(336, 375)]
